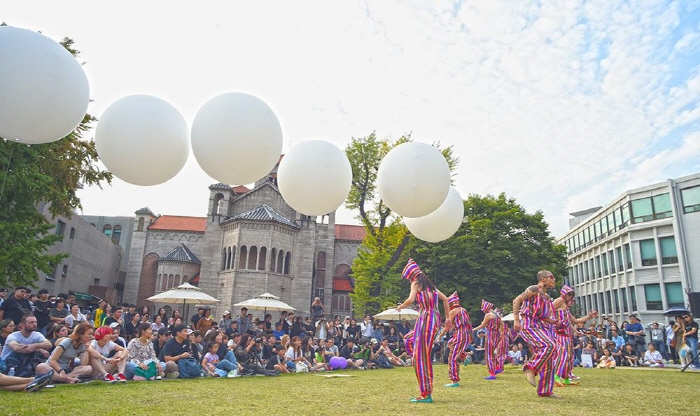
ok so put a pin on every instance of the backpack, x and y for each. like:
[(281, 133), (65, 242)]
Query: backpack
[(189, 368)]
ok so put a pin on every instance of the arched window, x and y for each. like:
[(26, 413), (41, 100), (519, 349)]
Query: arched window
[(164, 283), (252, 258), (287, 262), (116, 234), (224, 259), (280, 260), (273, 261), (107, 230), (177, 281), (243, 257), (233, 257), (228, 258), (171, 279), (216, 209), (262, 257), (140, 227)]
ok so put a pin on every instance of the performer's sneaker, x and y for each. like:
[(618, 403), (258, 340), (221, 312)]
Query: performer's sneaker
[(452, 384), (498, 371), (570, 382), (491, 377), (530, 376), (421, 399)]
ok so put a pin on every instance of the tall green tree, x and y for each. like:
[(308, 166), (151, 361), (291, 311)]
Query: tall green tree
[(37, 176), (495, 254), (374, 269)]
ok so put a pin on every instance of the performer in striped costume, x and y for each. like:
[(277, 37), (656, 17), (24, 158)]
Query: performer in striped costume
[(536, 314), (564, 354), (461, 337), (493, 349), (423, 292)]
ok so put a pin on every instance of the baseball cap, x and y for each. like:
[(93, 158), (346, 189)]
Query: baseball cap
[(116, 324), (179, 328), (374, 341), (163, 331), (226, 312)]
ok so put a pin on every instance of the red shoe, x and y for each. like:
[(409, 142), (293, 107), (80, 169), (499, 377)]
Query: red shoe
[(109, 378), (121, 378)]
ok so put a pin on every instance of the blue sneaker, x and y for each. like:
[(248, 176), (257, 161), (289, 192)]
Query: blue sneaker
[(490, 378), (428, 399), (452, 384)]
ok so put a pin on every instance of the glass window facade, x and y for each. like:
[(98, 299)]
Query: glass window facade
[(674, 294), (648, 252), (653, 297)]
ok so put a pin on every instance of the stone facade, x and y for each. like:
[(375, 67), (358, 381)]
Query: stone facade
[(251, 242)]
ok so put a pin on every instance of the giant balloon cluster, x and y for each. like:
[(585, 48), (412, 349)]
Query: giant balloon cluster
[(235, 137)]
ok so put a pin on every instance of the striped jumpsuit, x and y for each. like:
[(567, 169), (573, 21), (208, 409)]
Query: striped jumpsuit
[(564, 352), (540, 337), (424, 332), (495, 354), (461, 337)]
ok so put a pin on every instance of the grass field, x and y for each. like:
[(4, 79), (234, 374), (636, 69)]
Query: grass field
[(621, 391)]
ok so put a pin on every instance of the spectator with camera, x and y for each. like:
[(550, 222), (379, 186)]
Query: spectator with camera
[(348, 352)]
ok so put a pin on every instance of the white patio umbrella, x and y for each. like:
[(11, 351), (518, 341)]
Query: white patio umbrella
[(265, 302), (508, 318), (394, 315), (185, 294)]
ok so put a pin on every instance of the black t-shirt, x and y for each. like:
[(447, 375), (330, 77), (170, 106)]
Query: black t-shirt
[(172, 348), (689, 326), (346, 352), (16, 309), (41, 311)]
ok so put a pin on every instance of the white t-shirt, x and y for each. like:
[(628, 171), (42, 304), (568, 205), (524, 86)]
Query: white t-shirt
[(73, 321), (34, 338), (104, 351)]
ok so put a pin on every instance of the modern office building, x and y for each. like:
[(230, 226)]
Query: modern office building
[(638, 254)]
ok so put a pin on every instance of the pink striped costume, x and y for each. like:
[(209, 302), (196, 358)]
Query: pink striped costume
[(427, 326), (461, 337), (564, 353), (494, 351), (540, 337)]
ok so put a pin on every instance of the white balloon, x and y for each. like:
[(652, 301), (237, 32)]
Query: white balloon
[(44, 92), (236, 138), (314, 177), (440, 224), (142, 140), (413, 179)]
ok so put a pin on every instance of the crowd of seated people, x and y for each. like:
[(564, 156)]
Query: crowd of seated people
[(44, 341)]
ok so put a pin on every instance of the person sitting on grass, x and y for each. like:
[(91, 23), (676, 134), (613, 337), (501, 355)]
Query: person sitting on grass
[(606, 360), (142, 353), (629, 356), (24, 346), (514, 357), (393, 359), (25, 384), (211, 359), (111, 355), (652, 357), (348, 352), (63, 357), (279, 362)]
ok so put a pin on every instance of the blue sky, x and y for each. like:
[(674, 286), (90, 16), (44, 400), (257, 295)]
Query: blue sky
[(563, 105)]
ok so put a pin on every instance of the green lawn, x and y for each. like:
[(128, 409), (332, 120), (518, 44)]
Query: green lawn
[(621, 391)]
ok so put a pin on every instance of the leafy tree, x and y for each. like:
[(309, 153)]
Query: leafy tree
[(494, 255), (374, 269), (37, 176)]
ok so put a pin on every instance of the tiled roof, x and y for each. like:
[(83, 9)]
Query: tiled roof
[(265, 213), (181, 253), (195, 280), (219, 186), (349, 232), (178, 223), (342, 284), (145, 211), (240, 189)]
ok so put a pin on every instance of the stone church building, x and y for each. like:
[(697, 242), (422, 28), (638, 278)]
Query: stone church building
[(251, 242)]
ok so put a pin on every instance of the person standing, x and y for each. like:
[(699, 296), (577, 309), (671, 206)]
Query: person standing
[(564, 336), (424, 292), (316, 308), (493, 325), (460, 340), (534, 308), (691, 339), (16, 306)]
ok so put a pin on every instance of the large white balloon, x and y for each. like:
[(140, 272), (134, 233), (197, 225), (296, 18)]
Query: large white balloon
[(44, 92), (236, 138), (314, 177), (440, 224), (413, 179), (142, 139)]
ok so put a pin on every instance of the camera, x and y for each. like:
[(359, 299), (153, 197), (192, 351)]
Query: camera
[(258, 340)]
